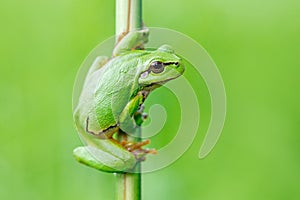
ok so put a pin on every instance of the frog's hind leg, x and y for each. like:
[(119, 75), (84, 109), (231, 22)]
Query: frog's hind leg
[(105, 134)]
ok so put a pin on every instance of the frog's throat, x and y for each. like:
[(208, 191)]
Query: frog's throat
[(150, 87)]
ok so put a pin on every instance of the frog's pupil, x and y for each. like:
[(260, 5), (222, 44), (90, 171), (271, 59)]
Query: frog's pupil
[(157, 67)]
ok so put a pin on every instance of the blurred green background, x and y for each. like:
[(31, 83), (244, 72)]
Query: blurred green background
[(256, 45)]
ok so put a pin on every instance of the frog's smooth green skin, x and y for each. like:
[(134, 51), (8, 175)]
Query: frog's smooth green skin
[(132, 40), (113, 92), (106, 157)]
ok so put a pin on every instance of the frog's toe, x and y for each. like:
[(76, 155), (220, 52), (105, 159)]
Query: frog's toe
[(140, 154), (144, 116), (137, 145)]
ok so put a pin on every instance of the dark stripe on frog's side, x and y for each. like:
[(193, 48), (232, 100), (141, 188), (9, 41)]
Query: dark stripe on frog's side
[(105, 134), (108, 132)]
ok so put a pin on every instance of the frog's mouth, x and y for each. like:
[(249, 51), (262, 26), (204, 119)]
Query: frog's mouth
[(157, 84), (164, 81)]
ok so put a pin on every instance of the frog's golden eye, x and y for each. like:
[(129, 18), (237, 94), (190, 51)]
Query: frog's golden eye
[(156, 67)]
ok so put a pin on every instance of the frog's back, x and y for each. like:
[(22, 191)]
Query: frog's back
[(116, 85), (106, 92)]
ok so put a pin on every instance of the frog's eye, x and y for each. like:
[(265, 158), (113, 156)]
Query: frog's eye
[(156, 67)]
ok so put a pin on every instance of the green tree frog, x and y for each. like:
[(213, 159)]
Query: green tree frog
[(111, 101)]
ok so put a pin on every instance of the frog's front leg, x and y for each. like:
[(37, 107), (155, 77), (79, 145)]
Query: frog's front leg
[(127, 121), (132, 40)]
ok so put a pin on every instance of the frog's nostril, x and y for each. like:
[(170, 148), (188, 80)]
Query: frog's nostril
[(176, 63)]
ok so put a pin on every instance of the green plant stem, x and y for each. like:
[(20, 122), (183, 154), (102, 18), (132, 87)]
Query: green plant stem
[(135, 15), (129, 18), (128, 185)]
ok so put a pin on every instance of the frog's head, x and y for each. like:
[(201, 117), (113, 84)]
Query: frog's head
[(161, 66)]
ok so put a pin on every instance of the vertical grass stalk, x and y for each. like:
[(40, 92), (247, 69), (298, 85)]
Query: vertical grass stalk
[(129, 18)]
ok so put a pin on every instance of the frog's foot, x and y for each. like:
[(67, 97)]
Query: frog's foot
[(144, 116), (131, 146), (140, 154), (137, 150)]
